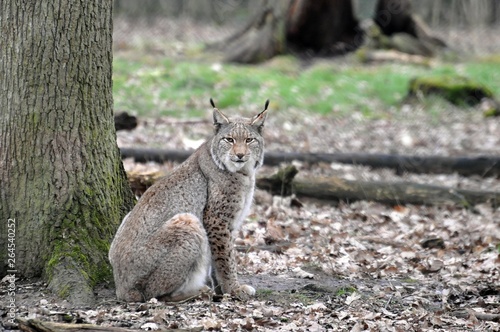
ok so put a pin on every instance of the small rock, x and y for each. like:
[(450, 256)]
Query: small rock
[(9, 325), (142, 307)]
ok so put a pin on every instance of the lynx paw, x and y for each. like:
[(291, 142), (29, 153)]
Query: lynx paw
[(244, 292)]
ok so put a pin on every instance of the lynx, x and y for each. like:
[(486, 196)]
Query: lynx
[(179, 237)]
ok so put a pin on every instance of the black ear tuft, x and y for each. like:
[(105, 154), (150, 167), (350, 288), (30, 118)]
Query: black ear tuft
[(219, 117), (259, 119)]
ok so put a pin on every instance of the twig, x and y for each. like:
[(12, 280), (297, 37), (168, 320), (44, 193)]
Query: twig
[(388, 301)]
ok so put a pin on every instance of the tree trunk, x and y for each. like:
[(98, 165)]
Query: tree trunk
[(319, 26), (262, 38), (63, 182), (324, 27)]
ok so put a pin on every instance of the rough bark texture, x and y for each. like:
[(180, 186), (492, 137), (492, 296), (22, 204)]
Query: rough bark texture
[(62, 178)]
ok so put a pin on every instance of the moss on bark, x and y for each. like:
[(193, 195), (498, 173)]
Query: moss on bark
[(63, 179)]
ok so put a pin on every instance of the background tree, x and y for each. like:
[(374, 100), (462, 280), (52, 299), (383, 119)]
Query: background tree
[(62, 179), (322, 27)]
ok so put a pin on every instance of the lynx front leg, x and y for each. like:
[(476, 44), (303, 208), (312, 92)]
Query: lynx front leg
[(224, 257)]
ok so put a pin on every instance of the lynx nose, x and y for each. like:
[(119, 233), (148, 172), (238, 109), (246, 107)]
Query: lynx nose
[(240, 155)]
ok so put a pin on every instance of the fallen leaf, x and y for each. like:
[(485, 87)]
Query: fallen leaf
[(302, 274), (150, 327), (353, 297)]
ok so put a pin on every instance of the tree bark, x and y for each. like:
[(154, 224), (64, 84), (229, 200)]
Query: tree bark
[(394, 193), (63, 182), (466, 166), (262, 38)]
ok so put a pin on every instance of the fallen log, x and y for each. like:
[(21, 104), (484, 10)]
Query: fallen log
[(143, 155), (466, 166), (393, 193), (336, 189), (36, 325)]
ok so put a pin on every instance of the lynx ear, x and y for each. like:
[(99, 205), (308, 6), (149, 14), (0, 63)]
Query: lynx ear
[(259, 119), (219, 117)]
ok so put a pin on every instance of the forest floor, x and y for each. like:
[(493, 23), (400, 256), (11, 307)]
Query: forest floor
[(330, 266), (318, 265)]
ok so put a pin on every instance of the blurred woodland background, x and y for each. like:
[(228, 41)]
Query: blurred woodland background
[(156, 20), (437, 13), (183, 35)]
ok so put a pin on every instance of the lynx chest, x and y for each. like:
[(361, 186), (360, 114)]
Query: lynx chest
[(245, 203)]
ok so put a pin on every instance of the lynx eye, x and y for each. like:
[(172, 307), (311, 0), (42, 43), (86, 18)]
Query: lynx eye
[(229, 139), (250, 140)]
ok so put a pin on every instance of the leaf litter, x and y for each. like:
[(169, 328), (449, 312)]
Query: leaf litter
[(330, 266)]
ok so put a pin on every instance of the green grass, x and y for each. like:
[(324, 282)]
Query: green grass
[(345, 290), (182, 88), (264, 292)]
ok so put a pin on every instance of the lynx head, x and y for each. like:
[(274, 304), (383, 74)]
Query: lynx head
[(238, 145)]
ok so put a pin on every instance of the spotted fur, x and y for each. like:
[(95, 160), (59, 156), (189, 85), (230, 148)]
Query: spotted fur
[(183, 226)]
